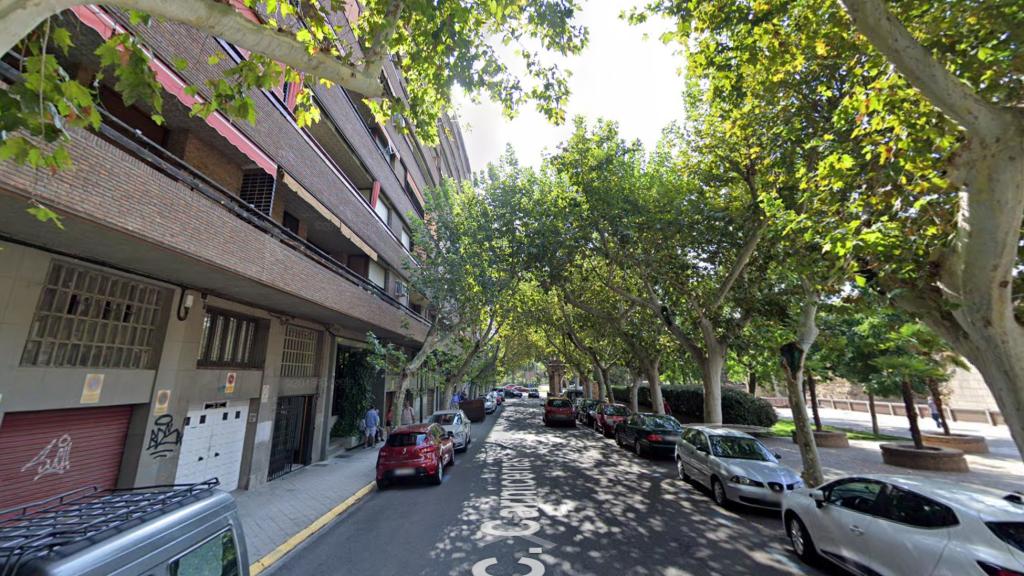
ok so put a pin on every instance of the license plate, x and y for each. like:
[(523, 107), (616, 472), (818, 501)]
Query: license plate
[(404, 471)]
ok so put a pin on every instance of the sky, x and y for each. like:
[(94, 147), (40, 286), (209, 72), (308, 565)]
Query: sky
[(619, 76)]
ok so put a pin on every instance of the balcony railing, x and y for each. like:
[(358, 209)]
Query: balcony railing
[(173, 167)]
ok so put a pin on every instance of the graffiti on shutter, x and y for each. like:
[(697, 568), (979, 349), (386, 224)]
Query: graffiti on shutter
[(55, 458)]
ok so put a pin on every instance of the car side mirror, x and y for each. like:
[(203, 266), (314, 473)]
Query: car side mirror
[(777, 456), (819, 498), (451, 434), (702, 449)]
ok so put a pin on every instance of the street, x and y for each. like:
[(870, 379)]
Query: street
[(525, 499)]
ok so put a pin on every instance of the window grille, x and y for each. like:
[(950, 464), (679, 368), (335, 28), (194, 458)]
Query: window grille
[(258, 190), (89, 319), (299, 359), (230, 340)]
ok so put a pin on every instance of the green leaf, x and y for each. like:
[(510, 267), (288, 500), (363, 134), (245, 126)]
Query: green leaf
[(180, 64), (44, 214), (860, 280)]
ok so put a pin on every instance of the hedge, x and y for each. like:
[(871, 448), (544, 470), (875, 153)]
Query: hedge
[(687, 403)]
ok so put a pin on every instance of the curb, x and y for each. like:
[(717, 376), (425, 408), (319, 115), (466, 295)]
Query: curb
[(302, 535)]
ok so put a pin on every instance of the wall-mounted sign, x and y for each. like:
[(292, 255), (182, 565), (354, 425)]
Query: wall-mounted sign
[(229, 383), (265, 393), (91, 389), (163, 401)]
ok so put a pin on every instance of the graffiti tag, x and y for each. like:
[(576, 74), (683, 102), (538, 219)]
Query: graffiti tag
[(54, 459), (164, 437)]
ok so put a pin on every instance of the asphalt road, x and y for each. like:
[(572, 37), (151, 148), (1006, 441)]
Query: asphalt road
[(529, 500)]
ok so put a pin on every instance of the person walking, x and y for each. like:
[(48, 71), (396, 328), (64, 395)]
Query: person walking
[(372, 421), (935, 412), (407, 414)]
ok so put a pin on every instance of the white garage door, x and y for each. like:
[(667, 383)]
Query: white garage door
[(211, 446)]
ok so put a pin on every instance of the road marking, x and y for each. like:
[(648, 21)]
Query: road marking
[(304, 534)]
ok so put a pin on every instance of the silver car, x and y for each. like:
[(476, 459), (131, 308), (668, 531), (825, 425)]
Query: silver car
[(456, 425), (735, 466)]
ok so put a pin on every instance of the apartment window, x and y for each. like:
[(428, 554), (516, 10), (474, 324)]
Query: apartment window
[(406, 238), (401, 292), (230, 340), (291, 222), (258, 190), (89, 319), (378, 275), (299, 359), (383, 210)]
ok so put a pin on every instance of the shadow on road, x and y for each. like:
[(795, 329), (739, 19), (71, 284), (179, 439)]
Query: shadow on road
[(605, 511)]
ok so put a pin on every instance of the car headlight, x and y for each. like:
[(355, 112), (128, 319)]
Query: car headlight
[(743, 480)]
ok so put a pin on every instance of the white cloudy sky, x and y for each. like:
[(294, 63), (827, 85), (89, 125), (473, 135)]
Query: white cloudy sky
[(620, 76)]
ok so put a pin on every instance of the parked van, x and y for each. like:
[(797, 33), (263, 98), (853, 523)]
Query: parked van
[(178, 530)]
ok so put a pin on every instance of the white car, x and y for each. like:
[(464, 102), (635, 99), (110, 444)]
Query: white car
[(896, 525), (456, 425), (490, 403), (734, 465)]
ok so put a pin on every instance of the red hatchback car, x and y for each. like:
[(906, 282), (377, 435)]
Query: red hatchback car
[(607, 416), (416, 451), (558, 410)]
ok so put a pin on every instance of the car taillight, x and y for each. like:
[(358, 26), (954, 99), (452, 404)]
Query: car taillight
[(993, 570), (655, 438)]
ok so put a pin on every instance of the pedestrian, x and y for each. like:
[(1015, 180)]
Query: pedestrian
[(668, 407), (407, 414), (372, 421), (935, 412)]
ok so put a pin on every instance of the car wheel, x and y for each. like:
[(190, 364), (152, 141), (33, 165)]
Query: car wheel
[(638, 448), (618, 440), (718, 493), (597, 427), (439, 476), (469, 440), (451, 462), (382, 484), (800, 539), (681, 470)]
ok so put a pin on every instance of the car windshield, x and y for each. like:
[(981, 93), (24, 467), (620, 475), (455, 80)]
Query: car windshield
[(739, 447), (559, 403), (442, 419), (403, 440), (662, 423), (615, 411)]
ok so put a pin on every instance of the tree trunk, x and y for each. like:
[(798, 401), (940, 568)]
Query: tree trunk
[(711, 370), (874, 414), (908, 403), (806, 335), (812, 387), (936, 393), (752, 383), (654, 382), (634, 393)]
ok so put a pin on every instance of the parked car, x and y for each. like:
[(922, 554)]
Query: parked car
[(649, 434), (490, 403), (607, 416), (558, 410), (456, 425), (735, 466), (584, 412), (513, 393), (890, 525), (186, 528), (415, 451)]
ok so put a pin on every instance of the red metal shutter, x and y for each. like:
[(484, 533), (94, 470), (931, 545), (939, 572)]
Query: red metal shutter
[(54, 451)]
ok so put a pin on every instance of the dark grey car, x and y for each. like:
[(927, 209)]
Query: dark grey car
[(159, 531)]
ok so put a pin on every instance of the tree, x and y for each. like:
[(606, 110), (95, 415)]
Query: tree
[(436, 46), (920, 174)]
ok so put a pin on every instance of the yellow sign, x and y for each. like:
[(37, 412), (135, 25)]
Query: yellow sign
[(91, 389), (163, 401), (229, 384)]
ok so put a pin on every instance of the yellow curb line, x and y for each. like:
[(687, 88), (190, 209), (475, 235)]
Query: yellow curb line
[(300, 537)]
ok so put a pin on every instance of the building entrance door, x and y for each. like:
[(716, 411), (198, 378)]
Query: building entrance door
[(291, 444)]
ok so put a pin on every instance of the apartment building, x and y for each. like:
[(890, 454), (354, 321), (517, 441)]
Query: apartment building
[(199, 312)]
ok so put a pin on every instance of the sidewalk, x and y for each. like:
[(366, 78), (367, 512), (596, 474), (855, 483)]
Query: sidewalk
[(1001, 468), (276, 511)]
